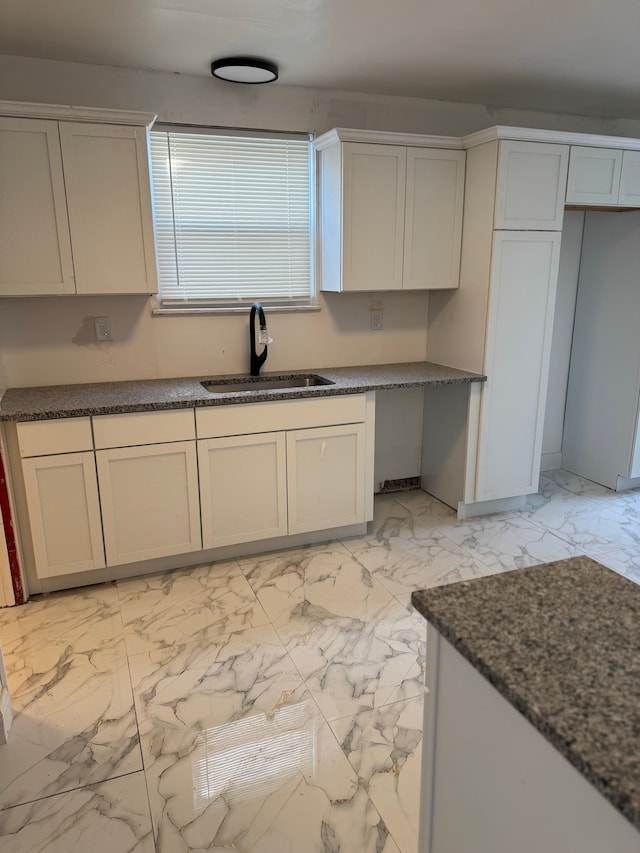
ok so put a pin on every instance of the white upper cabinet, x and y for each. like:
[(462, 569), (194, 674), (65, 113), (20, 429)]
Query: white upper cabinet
[(530, 191), (604, 176), (109, 200), (75, 202), (594, 175), (35, 248), (373, 179), (433, 218), (390, 215), (629, 194)]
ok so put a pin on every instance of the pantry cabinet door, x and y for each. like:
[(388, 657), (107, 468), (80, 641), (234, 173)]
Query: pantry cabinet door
[(433, 220), (326, 477), (149, 497), (35, 248), (64, 513), (524, 272), (106, 172), (373, 186), (531, 187), (243, 488)]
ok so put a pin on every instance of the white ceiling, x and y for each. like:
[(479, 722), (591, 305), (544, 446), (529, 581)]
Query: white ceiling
[(578, 56)]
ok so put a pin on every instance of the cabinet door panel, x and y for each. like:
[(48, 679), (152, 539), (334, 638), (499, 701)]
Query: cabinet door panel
[(433, 220), (109, 199), (594, 175), (325, 477), (523, 284), (630, 180), (64, 513), (373, 179), (243, 488), (532, 181), (35, 248), (149, 499)]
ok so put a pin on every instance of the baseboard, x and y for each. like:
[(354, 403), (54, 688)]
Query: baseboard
[(551, 461), (470, 510), (623, 483)]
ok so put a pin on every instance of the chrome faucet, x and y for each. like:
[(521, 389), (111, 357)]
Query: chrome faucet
[(257, 360)]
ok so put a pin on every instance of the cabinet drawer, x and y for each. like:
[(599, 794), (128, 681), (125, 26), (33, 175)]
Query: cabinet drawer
[(135, 428), (280, 415), (43, 438)]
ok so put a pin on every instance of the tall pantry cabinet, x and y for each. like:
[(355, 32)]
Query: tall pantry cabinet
[(500, 320)]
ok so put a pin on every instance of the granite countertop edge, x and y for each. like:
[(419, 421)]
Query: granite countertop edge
[(104, 398), (625, 800)]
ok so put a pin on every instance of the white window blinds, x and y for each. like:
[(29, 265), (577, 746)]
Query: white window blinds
[(232, 218)]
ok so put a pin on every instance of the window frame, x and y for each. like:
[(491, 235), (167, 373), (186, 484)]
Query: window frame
[(309, 303)]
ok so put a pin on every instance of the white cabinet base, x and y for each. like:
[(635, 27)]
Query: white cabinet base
[(493, 784)]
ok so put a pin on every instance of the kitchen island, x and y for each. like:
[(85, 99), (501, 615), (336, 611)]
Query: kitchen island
[(532, 712)]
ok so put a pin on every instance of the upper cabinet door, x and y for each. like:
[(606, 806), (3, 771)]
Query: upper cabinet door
[(373, 184), (594, 175), (532, 179), (35, 250), (433, 220), (630, 180), (109, 199)]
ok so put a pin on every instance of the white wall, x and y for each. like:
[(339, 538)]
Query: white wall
[(568, 272)]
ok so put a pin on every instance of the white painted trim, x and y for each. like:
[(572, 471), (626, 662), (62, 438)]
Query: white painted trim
[(532, 134), (552, 461), (470, 510), (623, 483), (383, 137), (6, 714), (70, 113)]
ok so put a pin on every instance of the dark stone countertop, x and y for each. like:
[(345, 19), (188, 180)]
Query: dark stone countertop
[(561, 642), (104, 398)]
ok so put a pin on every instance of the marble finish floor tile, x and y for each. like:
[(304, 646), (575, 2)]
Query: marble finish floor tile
[(187, 605), (625, 561), (509, 543), (315, 584), (74, 724), (238, 757), (111, 817), (84, 620), (384, 747), (584, 522)]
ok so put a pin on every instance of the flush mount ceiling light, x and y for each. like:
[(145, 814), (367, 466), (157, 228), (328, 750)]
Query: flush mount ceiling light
[(244, 69)]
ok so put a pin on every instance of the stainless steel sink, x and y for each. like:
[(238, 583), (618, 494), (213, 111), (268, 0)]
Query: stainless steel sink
[(265, 383)]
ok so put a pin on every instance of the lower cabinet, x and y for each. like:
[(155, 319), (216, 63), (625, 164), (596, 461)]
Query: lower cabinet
[(325, 477), (141, 486), (243, 488), (149, 500), (64, 512), (289, 481)]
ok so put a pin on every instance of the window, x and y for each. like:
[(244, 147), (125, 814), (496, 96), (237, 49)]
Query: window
[(233, 217)]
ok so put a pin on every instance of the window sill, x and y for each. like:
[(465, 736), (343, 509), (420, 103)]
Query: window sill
[(159, 311)]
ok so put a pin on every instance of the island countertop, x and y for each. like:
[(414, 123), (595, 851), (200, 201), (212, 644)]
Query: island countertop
[(561, 642), (102, 398)]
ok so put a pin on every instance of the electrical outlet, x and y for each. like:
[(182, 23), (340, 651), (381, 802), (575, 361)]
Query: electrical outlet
[(103, 328), (376, 320)]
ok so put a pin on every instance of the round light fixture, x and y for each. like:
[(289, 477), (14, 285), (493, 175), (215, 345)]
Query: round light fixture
[(244, 69)]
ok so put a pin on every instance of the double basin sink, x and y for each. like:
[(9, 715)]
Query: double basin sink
[(264, 383)]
